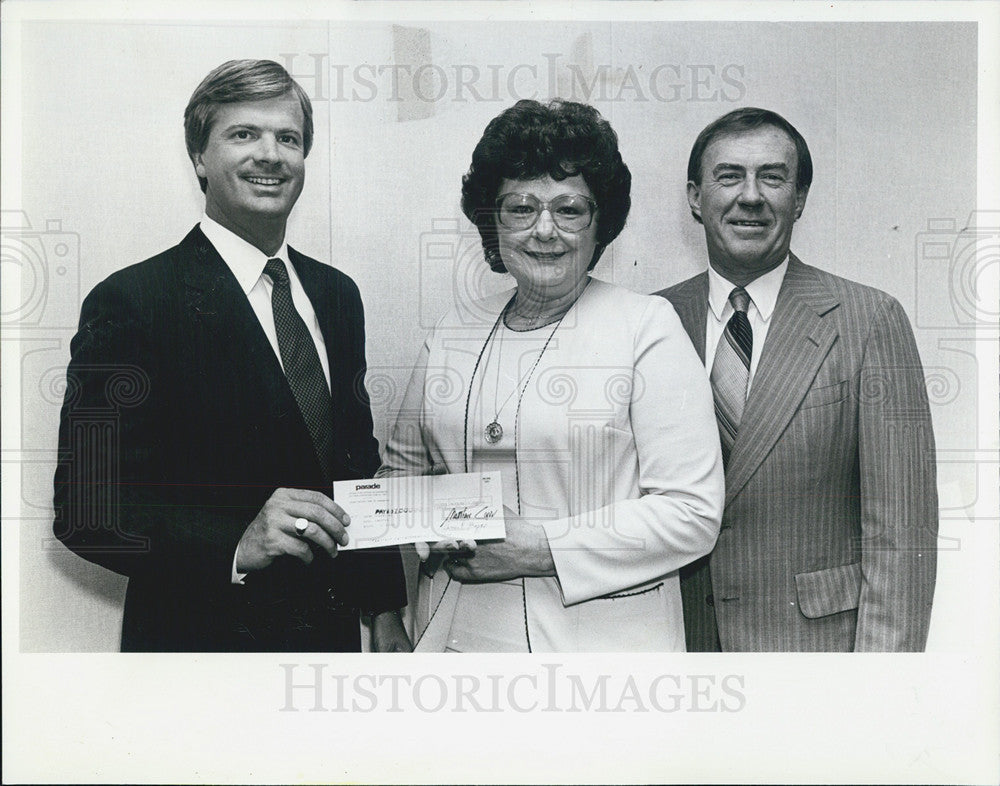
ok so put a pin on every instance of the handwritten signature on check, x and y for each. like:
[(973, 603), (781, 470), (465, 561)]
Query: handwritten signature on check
[(465, 516)]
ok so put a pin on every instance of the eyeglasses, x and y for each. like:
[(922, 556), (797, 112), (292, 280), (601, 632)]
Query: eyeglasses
[(570, 212)]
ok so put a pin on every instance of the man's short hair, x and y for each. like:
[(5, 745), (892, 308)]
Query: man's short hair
[(750, 118), (236, 81)]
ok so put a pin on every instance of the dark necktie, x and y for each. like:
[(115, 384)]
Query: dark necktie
[(301, 364), (731, 370)]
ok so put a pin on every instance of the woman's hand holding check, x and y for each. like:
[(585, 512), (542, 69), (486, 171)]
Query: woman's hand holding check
[(524, 552)]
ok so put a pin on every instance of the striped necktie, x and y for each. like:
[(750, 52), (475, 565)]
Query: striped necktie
[(300, 361), (731, 370)]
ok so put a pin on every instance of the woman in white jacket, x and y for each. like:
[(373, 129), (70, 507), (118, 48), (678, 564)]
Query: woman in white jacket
[(587, 397)]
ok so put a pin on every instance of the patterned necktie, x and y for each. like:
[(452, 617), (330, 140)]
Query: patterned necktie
[(301, 364), (731, 370)]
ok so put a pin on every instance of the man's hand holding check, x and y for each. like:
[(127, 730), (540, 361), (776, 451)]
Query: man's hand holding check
[(273, 531)]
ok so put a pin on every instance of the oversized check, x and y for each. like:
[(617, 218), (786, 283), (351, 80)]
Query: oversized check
[(389, 511)]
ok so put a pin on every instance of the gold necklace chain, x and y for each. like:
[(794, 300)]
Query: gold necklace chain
[(494, 431)]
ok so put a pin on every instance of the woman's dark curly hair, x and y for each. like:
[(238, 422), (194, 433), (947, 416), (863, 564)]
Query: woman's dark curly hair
[(560, 140)]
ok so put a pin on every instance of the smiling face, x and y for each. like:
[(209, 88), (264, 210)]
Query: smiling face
[(748, 201), (547, 262), (254, 162)]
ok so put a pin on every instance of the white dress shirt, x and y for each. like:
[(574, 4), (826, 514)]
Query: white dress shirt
[(763, 292), (247, 263)]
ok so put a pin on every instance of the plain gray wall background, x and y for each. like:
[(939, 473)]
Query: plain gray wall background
[(889, 111)]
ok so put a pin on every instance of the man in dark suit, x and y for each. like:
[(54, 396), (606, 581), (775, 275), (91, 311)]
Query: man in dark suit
[(828, 540), (214, 393)]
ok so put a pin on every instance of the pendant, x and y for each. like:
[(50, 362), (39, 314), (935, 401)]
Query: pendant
[(494, 432)]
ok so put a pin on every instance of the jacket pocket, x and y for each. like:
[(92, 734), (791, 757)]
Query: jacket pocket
[(829, 591), (830, 394)]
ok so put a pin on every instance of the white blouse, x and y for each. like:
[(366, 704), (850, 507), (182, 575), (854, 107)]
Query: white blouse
[(616, 455)]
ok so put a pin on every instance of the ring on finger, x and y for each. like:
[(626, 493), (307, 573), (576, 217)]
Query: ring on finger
[(301, 525)]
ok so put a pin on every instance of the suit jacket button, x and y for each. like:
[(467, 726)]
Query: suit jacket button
[(710, 600)]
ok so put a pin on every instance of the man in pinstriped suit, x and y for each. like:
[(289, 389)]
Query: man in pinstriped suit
[(828, 540)]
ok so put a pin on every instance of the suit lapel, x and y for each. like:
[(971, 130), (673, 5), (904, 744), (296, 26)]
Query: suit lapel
[(317, 291), (797, 342), (691, 305), (217, 302)]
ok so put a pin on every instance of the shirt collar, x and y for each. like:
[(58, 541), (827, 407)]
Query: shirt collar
[(243, 258), (763, 291)]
